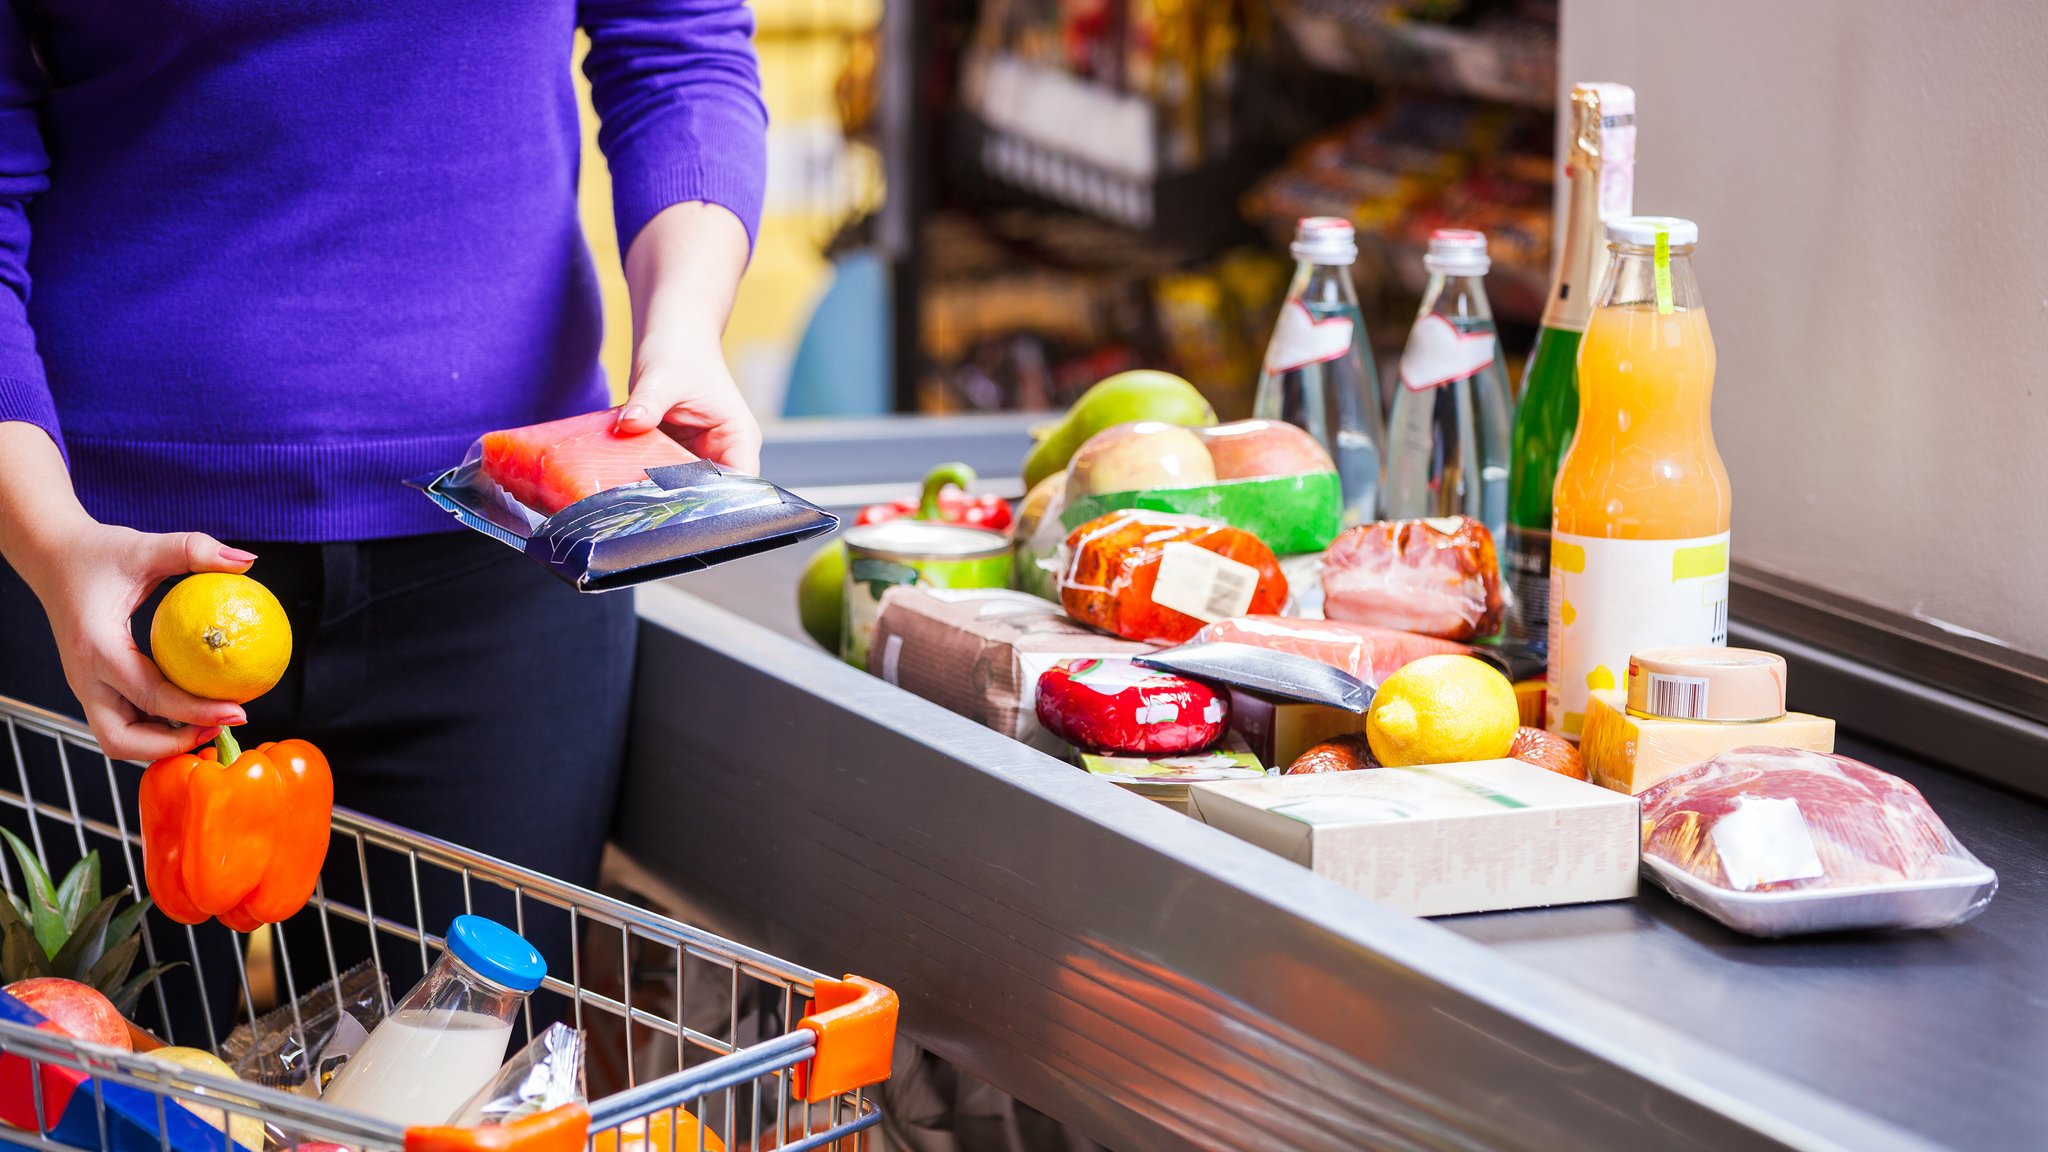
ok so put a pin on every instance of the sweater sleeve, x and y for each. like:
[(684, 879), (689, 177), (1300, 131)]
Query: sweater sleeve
[(678, 97), (24, 171)]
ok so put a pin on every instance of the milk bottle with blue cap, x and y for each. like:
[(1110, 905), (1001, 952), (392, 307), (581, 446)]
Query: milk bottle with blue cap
[(448, 1037)]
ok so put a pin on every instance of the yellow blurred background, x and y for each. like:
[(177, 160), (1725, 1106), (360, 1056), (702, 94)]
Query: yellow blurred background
[(816, 180)]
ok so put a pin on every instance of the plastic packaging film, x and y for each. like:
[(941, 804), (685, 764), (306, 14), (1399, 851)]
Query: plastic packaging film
[(1437, 577), (1778, 841), (1160, 577)]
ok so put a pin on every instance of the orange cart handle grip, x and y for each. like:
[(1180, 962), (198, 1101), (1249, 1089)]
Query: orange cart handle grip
[(563, 1129), (854, 1023)]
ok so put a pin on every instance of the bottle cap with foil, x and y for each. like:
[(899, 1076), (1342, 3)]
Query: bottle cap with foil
[(1728, 685)]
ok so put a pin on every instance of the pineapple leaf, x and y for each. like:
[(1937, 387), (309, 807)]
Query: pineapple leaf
[(34, 876), (79, 891), (13, 911), (125, 996), (128, 921), (112, 969), (44, 917), (20, 955), (82, 950)]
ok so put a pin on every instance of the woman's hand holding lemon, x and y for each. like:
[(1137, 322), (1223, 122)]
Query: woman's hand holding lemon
[(91, 582)]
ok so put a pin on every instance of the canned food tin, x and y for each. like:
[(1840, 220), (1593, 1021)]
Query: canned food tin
[(913, 553)]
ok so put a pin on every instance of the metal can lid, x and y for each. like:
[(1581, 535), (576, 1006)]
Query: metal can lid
[(1729, 685), (923, 539)]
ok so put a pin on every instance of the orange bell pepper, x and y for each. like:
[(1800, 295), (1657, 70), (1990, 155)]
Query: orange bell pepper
[(234, 834)]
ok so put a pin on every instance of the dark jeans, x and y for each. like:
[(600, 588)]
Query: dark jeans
[(457, 689)]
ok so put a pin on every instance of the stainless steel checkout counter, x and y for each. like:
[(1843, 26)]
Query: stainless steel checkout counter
[(1158, 984)]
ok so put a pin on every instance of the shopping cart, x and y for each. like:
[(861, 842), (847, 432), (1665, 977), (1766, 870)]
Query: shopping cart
[(794, 1090)]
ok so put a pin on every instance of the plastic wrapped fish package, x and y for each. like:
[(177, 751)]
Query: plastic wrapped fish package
[(603, 510)]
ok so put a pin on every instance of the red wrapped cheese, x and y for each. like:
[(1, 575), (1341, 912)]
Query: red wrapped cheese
[(1432, 577), (1158, 577), (1114, 705)]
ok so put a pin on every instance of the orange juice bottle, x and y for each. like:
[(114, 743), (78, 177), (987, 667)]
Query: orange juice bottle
[(1639, 544)]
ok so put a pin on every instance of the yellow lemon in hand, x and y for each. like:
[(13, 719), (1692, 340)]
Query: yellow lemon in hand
[(221, 636), (1442, 710)]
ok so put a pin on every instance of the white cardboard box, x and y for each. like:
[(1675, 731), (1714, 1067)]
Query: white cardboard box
[(1436, 841)]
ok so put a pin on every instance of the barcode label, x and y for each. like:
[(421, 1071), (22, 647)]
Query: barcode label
[(1203, 584), (1679, 697), (1720, 622)]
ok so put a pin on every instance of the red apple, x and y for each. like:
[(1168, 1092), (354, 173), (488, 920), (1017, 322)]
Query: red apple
[(1244, 449), (77, 1011), (1133, 457)]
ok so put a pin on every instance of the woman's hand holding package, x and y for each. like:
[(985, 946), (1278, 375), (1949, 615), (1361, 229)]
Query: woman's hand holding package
[(683, 269)]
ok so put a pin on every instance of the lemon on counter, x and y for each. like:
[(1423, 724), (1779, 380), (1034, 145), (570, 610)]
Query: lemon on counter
[(1442, 710), (246, 1131), (221, 636)]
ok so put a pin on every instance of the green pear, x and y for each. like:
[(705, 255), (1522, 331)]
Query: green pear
[(821, 595), (1121, 399)]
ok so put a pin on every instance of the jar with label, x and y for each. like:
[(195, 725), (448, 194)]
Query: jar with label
[(447, 1038), (1639, 547), (1318, 373)]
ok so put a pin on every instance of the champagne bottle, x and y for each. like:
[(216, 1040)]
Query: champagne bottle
[(1600, 171)]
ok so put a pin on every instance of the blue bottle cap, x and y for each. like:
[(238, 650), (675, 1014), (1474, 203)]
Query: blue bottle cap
[(496, 953)]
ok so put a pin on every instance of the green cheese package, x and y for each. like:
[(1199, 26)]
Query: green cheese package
[(1265, 477)]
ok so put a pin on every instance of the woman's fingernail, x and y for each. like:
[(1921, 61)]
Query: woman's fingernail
[(236, 555), (207, 737), (632, 414), (236, 717)]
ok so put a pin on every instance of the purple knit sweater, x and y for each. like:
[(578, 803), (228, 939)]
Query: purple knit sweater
[(266, 260)]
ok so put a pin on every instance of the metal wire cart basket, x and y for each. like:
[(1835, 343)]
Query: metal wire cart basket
[(694, 1042)]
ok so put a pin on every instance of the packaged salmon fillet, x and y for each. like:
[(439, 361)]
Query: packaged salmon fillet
[(602, 510), (1159, 576), (1371, 654), (1434, 577)]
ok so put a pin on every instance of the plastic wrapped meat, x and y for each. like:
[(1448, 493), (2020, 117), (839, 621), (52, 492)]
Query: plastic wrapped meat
[(1371, 654), (1779, 840), (1434, 577), (548, 467), (1157, 576)]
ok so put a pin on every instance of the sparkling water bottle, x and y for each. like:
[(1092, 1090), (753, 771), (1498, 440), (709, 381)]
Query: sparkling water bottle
[(1447, 434), (1319, 374)]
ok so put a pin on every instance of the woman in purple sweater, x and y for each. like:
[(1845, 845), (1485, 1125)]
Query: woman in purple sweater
[(259, 263)]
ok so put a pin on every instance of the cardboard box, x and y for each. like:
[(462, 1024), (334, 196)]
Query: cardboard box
[(1437, 841), (1278, 731), (980, 652), (1166, 779)]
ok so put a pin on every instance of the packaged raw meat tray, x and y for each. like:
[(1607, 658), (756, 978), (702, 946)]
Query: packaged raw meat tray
[(603, 511), (1779, 841)]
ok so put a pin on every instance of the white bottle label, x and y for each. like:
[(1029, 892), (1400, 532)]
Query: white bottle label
[(1300, 339), (1438, 353), (1612, 598)]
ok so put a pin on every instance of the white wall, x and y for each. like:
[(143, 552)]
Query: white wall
[(1871, 183)]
